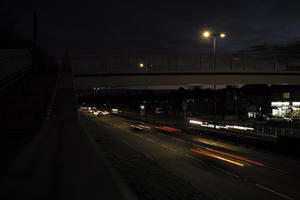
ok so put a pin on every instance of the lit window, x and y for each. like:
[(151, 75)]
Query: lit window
[(251, 115), (286, 95), (275, 112)]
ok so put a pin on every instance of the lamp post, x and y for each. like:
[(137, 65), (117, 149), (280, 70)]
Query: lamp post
[(143, 66), (214, 36)]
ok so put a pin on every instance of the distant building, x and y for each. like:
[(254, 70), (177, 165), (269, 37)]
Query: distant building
[(285, 101)]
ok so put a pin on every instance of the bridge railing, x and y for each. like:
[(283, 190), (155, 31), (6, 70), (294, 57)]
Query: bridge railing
[(184, 63), (13, 61)]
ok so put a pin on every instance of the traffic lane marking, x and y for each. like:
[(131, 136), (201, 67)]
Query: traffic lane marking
[(274, 192)]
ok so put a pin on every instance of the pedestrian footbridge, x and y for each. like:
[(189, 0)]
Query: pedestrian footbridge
[(134, 70)]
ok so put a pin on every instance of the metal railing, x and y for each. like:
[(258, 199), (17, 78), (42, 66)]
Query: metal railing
[(258, 130), (184, 63)]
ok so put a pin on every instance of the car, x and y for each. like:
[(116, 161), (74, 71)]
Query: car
[(115, 110), (262, 117), (139, 126), (103, 112), (96, 113)]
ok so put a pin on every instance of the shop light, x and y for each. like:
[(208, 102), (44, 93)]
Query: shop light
[(279, 103), (296, 103)]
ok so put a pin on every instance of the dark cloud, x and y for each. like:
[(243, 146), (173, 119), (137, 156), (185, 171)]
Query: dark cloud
[(157, 26)]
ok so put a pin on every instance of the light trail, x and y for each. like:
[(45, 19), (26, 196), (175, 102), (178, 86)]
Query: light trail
[(166, 128), (218, 157), (233, 156)]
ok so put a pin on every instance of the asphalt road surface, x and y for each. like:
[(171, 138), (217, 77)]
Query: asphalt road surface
[(220, 170)]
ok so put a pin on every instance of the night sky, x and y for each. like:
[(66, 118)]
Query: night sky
[(150, 26)]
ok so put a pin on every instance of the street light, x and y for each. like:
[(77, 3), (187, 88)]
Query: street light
[(222, 35), (214, 36), (206, 34), (141, 65)]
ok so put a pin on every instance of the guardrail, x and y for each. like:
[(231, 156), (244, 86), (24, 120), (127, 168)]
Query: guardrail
[(245, 129)]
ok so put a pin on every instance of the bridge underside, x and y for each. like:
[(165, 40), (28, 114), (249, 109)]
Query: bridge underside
[(139, 79)]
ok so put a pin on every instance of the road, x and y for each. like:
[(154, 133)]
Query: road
[(221, 170)]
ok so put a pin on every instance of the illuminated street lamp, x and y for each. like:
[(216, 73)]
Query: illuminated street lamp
[(141, 65), (214, 36), (206, 34), (143, 107), (222, 35)]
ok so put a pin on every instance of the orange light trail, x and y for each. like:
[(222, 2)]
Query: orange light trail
[(237, 157), (166, 128), (218, 157)]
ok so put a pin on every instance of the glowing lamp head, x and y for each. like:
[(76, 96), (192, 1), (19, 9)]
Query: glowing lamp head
[(222, 35), (206, 34), (141, 65)]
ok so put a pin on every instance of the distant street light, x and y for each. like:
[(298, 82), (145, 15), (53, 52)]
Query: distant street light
[(141, 65), (145, 107)]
